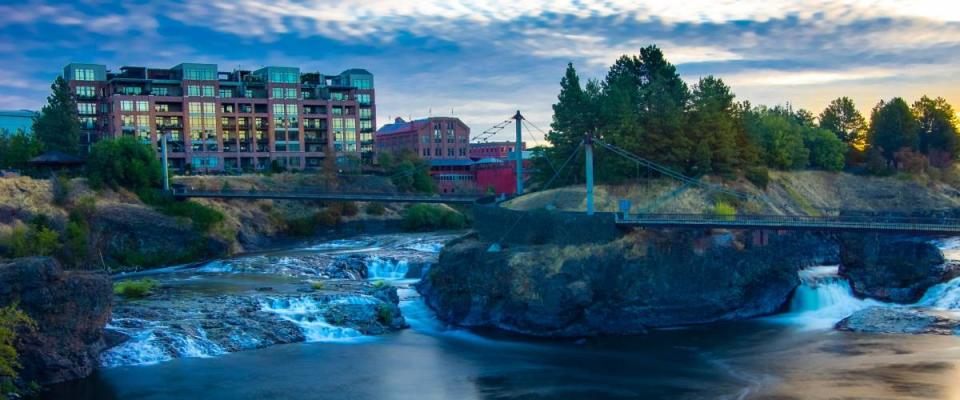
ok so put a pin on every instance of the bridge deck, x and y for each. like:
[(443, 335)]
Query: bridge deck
[(946, 226), (327, 196)]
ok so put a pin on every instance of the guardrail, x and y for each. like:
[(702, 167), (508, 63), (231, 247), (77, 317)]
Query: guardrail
[(308, 194), (797, 222)]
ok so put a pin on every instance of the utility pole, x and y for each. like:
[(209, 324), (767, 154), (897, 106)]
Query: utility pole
[(518, 152), (588, 147), (166, 173)]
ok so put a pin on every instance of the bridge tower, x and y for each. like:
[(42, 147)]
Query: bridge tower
[(518, 152), (588, 159)]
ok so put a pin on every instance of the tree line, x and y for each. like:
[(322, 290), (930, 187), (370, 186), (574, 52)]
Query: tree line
[(643, 106)]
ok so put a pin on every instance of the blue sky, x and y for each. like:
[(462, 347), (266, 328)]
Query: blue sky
[(481, 60)]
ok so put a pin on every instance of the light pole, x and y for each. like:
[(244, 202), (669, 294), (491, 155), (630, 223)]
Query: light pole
[(518, 152), (166, 172), (588, 147)]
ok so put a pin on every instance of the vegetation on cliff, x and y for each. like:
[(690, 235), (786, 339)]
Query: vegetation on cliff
[(12, 319)]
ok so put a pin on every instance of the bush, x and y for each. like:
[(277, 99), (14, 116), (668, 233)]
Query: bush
[(379, 284), (12, 319), (60, 186), (347, 208), (385, 315), (33, 240), (327, 218), (724, 210), (303, 226), (317, 285), (758, 176), (204, 217), (123, 162), (134, 289), (426, 216), (375, 209)]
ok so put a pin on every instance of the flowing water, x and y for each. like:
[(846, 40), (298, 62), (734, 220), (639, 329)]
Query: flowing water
[(794, 355)]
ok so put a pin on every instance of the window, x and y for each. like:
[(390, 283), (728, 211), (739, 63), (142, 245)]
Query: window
[(436, 151), (277, 93), (126, 105), (208, 91), (131, 90), (337, 96), (449, 152), (291, 94), (88, 122), (160, 91), (366, 125), (86, 92), (365, 113), (127, 121), (209, 108), (193, 74), (195, 108), (83, 74), (248, 93), (193, 90), (362, 83), (226, 93), (143, 106), (86, 108), (363, 98)]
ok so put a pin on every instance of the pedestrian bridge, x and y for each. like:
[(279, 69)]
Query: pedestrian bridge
[(913, 225)]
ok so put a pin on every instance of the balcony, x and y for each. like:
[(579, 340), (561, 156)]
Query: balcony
[(166, 126)]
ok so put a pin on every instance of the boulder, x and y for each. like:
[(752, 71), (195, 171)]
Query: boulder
[(898, 320), (892, 268), (70, 308), (648, 279)]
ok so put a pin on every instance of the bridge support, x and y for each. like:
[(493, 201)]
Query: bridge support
[(518, 152), (588, 148)]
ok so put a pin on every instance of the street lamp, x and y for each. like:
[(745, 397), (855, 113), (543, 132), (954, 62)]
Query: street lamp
[(166, 173)]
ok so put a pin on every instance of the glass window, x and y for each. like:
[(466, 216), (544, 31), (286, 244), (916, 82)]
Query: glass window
[(86, 91), (291, 93), (126, 105), (160, 91), (209, 108), (365, 113), (83, 74), (226, 93), (143, 106), (362, 83), (193, 90), (277, 93), (195, 108), (292, 109), (363, 98), (208, 91), (86, 108)]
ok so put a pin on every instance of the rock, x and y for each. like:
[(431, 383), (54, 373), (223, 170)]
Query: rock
[(891, 268), (70, 308), (898, 320), (655, 278)]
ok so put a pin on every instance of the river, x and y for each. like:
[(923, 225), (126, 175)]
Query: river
[(795, 355)]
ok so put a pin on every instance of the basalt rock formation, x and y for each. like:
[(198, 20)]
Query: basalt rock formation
[(892, 268), (70, 309), (646, 279)]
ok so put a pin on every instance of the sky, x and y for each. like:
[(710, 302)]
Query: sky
[(481, 60)]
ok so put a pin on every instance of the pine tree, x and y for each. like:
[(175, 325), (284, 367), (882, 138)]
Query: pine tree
[(713, 127), (893, 127), (57, 127), (663, 101), (842, 118)]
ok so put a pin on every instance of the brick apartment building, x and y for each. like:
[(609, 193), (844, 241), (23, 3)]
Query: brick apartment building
[(499, 150), (218, 120), (443, 141)]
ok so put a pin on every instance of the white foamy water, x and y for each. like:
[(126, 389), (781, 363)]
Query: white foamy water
[(340, 244), (944, 296), (823, 299), (378, 268), (307, 313), (152, 343)]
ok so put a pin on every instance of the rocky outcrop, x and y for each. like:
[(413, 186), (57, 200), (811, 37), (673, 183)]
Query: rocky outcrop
[(655, 278), (892, 268), (899, 320), (70, 309)]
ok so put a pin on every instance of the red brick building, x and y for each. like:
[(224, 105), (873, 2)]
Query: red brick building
[(443, 141), (499, 150)]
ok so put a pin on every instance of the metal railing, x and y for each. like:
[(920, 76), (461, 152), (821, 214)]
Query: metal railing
[(793, 222), (324, 194)]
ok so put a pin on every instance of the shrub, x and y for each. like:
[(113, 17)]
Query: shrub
[(426, 216), (76, 243), (911, 161), (204, 217), (303, 226), (123, 162), (379, 284), (60, 186), (385, 315), (12, 319), (758, 176), (134, 289), (317, 285), (327, 218), (724, 210), (375, 209), (33, 240), (349, 209)]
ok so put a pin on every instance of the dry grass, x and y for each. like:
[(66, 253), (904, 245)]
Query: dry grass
[(795, 193)]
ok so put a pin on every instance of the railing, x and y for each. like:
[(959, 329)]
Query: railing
[(865, 222), (324, 194)]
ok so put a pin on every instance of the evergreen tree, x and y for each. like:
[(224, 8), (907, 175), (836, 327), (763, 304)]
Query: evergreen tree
[(663, 101), (893, 127), (937, 129), (16, 149), (574, 115), (842, 118), (714, 128), (57, 127)]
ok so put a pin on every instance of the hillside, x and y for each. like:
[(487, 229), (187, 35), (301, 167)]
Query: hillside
[(792, 193)]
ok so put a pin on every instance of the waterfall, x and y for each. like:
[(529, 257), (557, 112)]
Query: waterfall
[(151, 343), (307, 313), (944, 296), (379, 268), (823, 299)]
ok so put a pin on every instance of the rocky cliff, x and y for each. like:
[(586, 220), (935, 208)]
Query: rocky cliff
[(656, 278), (892, 268), (70, 308)]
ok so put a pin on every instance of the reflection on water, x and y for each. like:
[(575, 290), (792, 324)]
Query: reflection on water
[(792, 356)]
